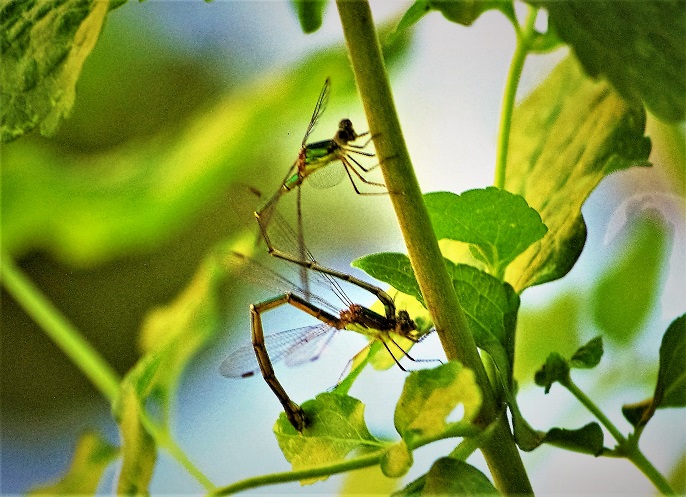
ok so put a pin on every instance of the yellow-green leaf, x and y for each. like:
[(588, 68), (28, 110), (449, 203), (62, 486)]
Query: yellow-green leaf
[(91, 457), (566, 137)]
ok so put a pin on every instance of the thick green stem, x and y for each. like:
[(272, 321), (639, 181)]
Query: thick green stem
[(372, 80), (60, 331), (515, 72)]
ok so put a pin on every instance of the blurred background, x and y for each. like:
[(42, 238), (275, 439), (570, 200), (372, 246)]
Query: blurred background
[(182, 108)]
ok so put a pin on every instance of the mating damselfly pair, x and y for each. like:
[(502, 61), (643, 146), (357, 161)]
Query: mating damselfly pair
[(305, 344)]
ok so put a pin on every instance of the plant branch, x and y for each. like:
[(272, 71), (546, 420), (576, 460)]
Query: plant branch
[(372, 80), (515, 72), (626, 448), (60, 331)]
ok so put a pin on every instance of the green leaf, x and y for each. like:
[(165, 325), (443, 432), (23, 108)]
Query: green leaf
[(431, 395), (139, 450), (449, 476), (310, 13), (671, 378), (588, 356), (465, 12), (490, 306), (670, 390), (628, 291), (498, 224), (397, 460), (171, 336), (555, 369), (91, 457), (336, 427), (44, 46), (392, 268), (587, 440), (566, 137), (637, 46)]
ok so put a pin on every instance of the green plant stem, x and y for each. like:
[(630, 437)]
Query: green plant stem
[(358, 462), (625, 447), (364, 51), (60, 331), (515, 72)]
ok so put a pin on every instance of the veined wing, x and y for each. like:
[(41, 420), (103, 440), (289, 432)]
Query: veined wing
[(297, 346), (318, 110)]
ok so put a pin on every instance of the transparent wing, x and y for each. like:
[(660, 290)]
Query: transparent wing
[(327, 176), (318, 110), (298, 346)]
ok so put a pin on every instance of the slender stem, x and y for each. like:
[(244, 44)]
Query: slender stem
[(372, 80), (625, 447), (515, 72), (60, 331), (594, 409)]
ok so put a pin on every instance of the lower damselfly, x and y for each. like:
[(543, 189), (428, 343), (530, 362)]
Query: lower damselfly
[(301, 345)]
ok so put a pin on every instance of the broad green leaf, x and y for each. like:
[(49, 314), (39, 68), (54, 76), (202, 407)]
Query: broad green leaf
[(431, 395), (555, 369), (625, 295), (397, 460), (91, 457), (587, 440), (392, 268), (670, 390), (44, 46), (637, 46), (336, 427), (566, 137), (588, 356), (498, 224), (490, 306), (449, 476), (366, 481), (310, 13)]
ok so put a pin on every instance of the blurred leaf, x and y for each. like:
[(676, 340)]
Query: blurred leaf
[(637, 46), (130, 199), (431, 395), (171, 336), (625, 295), (139, 450), (397, 460), (310, 14), (449, 476), (90, 460), (566, 137), (587, 440), (589, 355), (498, 224), (336, 427), (670, 390), (555, 369), (540, 330), (463, 12), (44, 46), (366, 481)]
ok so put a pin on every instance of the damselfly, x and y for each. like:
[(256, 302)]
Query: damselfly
[(305, 344), (312, 158)]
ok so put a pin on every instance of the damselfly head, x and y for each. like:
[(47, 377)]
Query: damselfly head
[(346, 132)]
